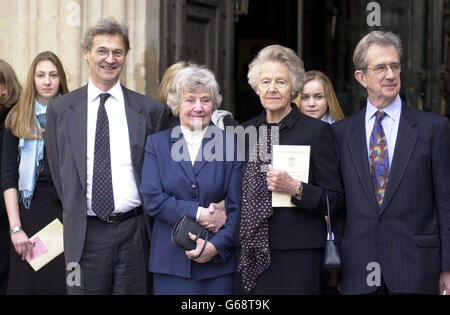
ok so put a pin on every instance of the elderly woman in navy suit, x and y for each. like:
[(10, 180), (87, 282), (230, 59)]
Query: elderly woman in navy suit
[(188, 171)]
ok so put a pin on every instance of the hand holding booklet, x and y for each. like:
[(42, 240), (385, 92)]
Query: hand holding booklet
[(38, 248), (294, 159), (47, 244)]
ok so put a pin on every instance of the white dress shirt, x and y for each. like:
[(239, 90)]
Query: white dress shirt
[(390, 125), (126, 194)]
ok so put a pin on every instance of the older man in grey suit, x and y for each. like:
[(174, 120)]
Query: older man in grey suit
[(95, 139)]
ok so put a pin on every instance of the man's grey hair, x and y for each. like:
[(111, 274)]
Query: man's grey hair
[(384, 39), (283, 55), (109, 26), (193, 79)]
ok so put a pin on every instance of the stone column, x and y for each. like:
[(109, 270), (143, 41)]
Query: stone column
[(69, 43), (31, 26)]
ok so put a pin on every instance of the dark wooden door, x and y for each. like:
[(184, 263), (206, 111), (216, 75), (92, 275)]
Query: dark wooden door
[(423, 26), (201, 31)]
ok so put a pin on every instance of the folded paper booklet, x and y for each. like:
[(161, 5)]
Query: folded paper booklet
[(47, 245), (294, 159)]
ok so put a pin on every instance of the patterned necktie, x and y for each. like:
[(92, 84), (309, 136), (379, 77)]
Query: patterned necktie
[(102, 191), (379, 158)]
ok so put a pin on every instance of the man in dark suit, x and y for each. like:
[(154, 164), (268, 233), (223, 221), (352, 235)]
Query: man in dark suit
[(395, 164), (95, 139)]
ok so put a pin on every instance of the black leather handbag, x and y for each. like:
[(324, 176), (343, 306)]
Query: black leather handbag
[(180, 236), (331, 257)]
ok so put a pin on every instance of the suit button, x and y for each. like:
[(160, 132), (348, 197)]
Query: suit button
[(193, 186), (194, 196)]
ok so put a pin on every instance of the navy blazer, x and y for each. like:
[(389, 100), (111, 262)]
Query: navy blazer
[(409, 236), (172, 189)]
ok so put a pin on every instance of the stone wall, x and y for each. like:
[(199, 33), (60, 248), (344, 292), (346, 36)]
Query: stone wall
[(31, 26)]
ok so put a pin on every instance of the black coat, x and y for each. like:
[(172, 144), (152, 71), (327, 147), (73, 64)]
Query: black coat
[(304, 226), (297, 235)]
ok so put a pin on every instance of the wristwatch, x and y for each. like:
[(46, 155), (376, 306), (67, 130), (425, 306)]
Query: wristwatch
[(299, 192), (15, 230)]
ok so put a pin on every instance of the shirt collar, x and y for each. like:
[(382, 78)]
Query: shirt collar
[(94, 92), (288, 121), (193, 134), (392, 110)]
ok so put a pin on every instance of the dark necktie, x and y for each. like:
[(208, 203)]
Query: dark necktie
[(379, 158), (102, 191)]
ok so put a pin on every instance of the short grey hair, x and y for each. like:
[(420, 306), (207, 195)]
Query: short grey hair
[(109, 26), (195, 79), (384, 39), (283, 55)]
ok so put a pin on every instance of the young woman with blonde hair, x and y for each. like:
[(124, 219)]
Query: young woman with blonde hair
[(30, 196), (317, 98)]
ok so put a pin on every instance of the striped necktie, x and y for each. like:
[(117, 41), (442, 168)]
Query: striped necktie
[(379, 158)]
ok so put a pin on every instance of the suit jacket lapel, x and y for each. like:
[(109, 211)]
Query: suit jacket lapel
[(185, 163), (203, 156), (78, 134), (404, 146), (207, 154), (358, 147), (136, 130)]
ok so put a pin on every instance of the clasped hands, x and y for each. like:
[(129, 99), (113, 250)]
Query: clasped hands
[(211, 218)]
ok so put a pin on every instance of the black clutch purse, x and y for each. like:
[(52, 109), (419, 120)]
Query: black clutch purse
[(331, 257), (180, 236)]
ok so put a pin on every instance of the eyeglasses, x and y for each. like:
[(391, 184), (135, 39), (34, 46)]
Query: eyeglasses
[(266, 83), (101, 52), (381, 69)]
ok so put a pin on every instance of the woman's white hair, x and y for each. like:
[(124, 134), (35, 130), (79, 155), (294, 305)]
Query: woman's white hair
[(193, 79), (283, 55)]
